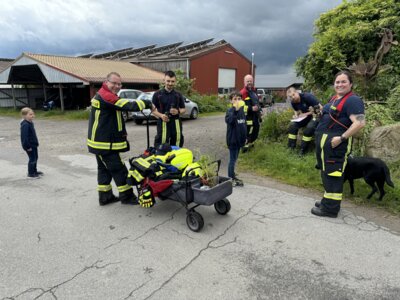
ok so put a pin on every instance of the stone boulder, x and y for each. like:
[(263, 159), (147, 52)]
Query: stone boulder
[(384, 143)]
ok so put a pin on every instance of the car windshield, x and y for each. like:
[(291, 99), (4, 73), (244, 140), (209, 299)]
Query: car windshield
[(145, 96)]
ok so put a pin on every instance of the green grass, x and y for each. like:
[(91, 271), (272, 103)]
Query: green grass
[(51, 115), (74, 114), (275, 160)]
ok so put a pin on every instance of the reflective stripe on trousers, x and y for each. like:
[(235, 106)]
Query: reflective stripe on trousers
[(332, 162)]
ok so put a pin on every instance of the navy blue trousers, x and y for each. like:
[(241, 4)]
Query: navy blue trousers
[(33, 158)]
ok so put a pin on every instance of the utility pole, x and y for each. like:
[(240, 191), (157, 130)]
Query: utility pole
[(252, 64)]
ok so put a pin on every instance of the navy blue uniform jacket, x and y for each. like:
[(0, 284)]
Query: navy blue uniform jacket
[(306, 100), (236, 128), (28, 135)]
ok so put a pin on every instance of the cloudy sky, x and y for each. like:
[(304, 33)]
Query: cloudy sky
[(276, 31)]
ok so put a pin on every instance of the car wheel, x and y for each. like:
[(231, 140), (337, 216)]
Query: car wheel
[(125, 116), (194, 114), (138, 121)]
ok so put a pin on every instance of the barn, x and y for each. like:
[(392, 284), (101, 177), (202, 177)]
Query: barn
[(32, 79), (216, 67)]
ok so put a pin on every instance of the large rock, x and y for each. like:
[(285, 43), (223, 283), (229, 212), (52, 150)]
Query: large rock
[(384, 142)]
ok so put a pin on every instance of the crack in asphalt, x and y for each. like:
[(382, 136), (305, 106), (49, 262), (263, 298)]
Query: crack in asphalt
[(349, 219), (116, 243), (208, 246), (136, 289), (144, 233), (95, 265), (225, 244), (52, 290), (181, 233)]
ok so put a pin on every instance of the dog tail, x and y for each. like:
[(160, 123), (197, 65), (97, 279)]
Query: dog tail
[(387, 176)]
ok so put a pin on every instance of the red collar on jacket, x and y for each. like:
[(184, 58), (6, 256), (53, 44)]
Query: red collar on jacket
[(245, 93), (107, 95)]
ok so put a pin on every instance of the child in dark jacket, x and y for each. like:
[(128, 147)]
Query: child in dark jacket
[(30, 141), (236, 133)]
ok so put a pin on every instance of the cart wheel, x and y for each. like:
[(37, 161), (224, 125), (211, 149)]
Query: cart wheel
[(222, 206), (194, 221)]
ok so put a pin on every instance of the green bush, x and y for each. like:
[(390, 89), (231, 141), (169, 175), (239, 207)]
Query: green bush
[(275, 125), (210, 103), (278, 97), (393, 103), (326, 95)]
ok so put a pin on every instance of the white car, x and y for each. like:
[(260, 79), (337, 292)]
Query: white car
[(192, 110), (129, 94)]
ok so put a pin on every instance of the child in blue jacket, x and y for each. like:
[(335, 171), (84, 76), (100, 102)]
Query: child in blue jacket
[(236, 133), (30, 141)]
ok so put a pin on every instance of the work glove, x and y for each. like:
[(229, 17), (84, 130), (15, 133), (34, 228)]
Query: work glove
[(146, 199)]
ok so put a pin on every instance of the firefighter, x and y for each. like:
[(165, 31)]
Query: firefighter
[(169, 105), (341, 119), (107, 137), (302, 118), (252, 110)]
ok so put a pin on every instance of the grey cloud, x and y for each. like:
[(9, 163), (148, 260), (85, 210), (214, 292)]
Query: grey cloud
[(276, 31)]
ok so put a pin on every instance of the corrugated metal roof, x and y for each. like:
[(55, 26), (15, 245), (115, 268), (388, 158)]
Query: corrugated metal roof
[(277, 80), (5, 63), (95, 70)]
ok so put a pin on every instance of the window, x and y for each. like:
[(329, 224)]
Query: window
[(226, 80)]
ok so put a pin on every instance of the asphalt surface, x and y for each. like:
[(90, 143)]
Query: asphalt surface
[(56, 242)]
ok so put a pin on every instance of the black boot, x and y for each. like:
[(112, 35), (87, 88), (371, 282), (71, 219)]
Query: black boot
[(107, 198), (319, 211), (292, 144), (304, 148), (128, 197)]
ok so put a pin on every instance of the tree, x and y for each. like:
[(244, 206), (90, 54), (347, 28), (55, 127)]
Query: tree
[(348, 34), (183, 84), (366, 73)]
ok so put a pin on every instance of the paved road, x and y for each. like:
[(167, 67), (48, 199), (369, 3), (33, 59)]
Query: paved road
[(57, 243)]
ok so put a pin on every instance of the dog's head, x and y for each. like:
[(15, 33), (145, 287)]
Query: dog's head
[(316, 112)]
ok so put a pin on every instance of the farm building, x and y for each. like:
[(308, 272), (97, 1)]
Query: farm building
[(277, 84), (70, 81), (216, 67)]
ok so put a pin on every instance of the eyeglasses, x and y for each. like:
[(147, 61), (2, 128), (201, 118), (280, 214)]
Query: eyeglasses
[(115, 83)]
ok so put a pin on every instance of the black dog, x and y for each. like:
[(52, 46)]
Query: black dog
[(373, 170)]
